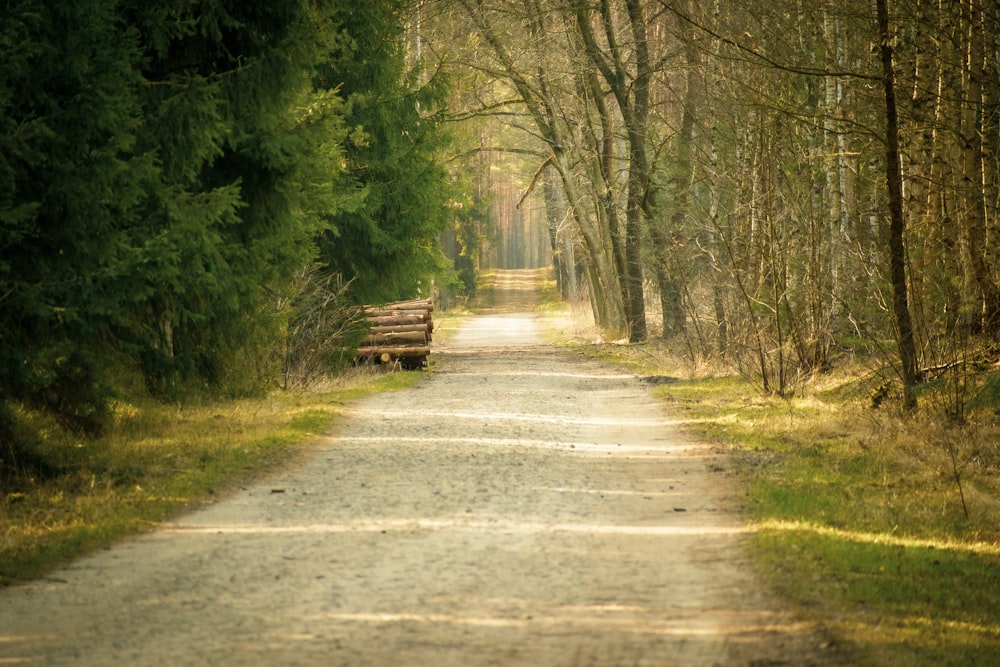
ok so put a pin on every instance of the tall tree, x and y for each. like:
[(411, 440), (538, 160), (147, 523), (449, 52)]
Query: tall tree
[(394, 153), (230, 115), (894, 182), (71, 188), (627, 71)]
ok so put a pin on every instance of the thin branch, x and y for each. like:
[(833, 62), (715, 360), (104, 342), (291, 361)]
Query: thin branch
[(794, 69), (498, 149), (534, 180)]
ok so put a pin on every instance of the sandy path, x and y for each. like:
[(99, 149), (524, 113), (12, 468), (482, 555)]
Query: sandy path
[(522, 506)]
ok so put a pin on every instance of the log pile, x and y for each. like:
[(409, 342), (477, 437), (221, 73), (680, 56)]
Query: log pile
[(400, 331)]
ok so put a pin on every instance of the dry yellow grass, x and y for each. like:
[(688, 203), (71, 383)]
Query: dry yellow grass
[(157, 459)]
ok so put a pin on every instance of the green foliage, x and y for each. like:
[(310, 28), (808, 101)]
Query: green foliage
[(166, 170), (233, 121), (860, 522), (70, 185), (387, 246), (910, 604), (469, 222)]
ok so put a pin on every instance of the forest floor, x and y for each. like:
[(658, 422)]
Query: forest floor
[(522, 505)]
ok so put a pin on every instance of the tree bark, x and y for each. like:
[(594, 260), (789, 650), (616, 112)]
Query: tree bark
[(972, 166), (632, 95), (897, 248)]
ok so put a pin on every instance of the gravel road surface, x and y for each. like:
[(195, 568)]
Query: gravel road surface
[(522, 506)]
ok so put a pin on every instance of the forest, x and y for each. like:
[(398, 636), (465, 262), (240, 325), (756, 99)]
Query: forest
[(784, 185), (196, 196), (778, 219)]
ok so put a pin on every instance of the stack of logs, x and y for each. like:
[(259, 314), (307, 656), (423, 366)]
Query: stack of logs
[(400, 331)]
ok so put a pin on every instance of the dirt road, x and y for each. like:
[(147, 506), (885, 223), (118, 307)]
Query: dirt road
[(522, 506)]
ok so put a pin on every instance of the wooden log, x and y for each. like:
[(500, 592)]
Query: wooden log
[(397, 338), (400, 328), (395, 320), (407, 317), (412, 304), (422, 313), (399, 331), (426, 327), (370, 310), (394, 352)]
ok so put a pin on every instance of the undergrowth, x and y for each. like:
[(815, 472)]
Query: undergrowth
[(882, 529)]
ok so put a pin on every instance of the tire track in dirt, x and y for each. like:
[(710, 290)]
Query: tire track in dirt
[(522, 506)]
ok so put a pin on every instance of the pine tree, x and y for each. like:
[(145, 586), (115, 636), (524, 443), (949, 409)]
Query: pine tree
[(387, 246), (231, 115), (71, 184)]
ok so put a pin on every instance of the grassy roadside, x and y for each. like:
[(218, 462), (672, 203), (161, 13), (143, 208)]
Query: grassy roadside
[(859, 516), (159, 460)]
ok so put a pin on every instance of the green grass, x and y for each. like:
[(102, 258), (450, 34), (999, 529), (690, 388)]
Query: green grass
[(858, 518), (889, 602), (156, 461)]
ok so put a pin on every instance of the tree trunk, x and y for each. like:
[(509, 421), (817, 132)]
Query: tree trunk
[(552, 219), (972, 165), (638, 175), (632, 95), (603, 178), (604, 283), (897, 248), (668, 245)]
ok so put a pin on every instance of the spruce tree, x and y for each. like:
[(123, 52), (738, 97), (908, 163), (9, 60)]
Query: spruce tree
[(231, 115), (71, 184), (387, 246), (165, 169)]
